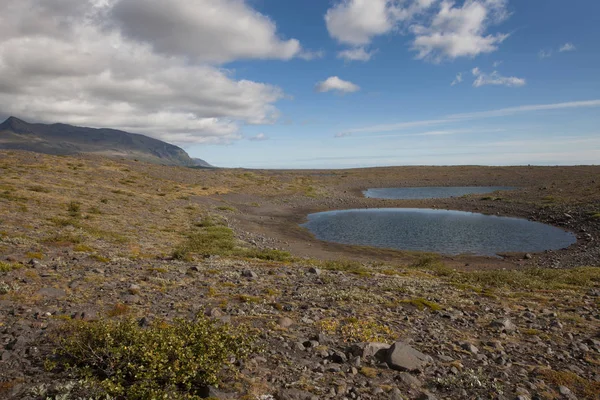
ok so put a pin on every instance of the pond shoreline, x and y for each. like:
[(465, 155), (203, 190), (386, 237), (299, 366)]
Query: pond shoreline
[(276, 222)]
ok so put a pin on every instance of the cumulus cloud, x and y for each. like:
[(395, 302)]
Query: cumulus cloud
[(356, 22), (460, 31), (457, 80), (131, 64), (545, 54), (441, 28), (495, 78), (356, 54), (567, 47), (334, 83), (209, 30), (261, 137)]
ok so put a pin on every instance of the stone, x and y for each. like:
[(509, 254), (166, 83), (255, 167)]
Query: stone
[(426, 396), (214, 313), (131, 299), (285, 322), (315, 271), (376, 350), (338, 357), (565, 391), (504, 325), (403, 357), (249, 274), (410, 380), (470, 348), (52, 293)]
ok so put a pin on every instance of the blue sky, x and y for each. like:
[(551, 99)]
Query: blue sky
[(319, 84)]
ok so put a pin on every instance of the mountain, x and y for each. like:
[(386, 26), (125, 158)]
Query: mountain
[(62, 139)]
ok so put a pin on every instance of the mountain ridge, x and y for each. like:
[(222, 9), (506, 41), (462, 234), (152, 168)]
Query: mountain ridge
[(64, 139)]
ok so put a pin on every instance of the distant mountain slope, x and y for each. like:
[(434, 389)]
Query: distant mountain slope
[(62, 139)]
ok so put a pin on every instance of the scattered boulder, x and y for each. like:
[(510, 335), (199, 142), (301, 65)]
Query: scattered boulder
[(504, 325), (249, 274), (285, 322), (315, 271), (403, 357)]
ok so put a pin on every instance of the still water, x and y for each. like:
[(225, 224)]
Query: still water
[(413, 193), (440, 231)]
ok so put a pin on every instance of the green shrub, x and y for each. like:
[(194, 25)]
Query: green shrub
[(212, 240), (353, 267), (167, 360), (74, 208), (265, 254), (7, 267)]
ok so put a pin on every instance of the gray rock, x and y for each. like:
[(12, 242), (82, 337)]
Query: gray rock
[(396, 394), (214, 313), (426, 396), (410, 380), (249, 274), (470, 348), (504, 325), (376, 350), (285, 322), (402, 357), (131, 299), (565, 391)]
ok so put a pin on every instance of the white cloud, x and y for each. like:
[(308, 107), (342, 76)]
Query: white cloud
[(567, 47), (441, 29), (460, 31), (209, 30), (474, 115), (457, 80), (98, 63), (529, 108), (545, 54), (311, 55), (356, 22), (495, 78), (356, 54), (496, 64), (261, 137), (337, 84)]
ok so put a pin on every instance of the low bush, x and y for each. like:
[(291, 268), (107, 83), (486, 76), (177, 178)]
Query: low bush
[(211, 240), (176, 360)]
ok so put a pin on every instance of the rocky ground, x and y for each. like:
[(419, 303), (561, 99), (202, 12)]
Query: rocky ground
[(87, 238)]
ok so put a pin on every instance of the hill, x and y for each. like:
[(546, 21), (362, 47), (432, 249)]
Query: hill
[(63, 139)]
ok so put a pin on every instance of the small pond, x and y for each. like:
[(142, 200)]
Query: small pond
[(413, 193), (440, 231)]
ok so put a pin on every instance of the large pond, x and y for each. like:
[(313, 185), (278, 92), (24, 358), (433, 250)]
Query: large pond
[(440, 231), (412, 193)]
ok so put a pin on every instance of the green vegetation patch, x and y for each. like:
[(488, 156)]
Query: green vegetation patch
[(7, 267), (535, 278), (215, 239), (174, 360), (354, 330), (211, 240)]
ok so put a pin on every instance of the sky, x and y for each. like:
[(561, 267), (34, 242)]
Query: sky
[(316, 83)]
